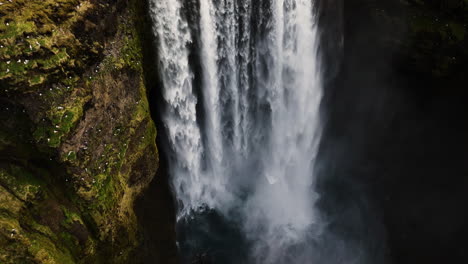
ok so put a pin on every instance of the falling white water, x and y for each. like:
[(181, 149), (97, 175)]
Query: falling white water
[(253, 152)]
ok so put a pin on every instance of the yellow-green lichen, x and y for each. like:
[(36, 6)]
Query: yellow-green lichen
[(20, 182), (89, 124), (38, 42), (61, 120), (45, 251)]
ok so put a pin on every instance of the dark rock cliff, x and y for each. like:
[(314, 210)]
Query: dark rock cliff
[(396, 135), (77, 141)]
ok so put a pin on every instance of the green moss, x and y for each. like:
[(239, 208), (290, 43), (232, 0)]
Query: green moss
[(70, 217), (38, 228), (35, 80), (21, 182), (37, 39), (69, 241), (26, 240), (45, 251), (10, 207), (61, 121), (50, 60), (71, 156), (129, 54), (106, 193), (142, 114), (11, 29)]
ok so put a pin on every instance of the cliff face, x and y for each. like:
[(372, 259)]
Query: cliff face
[(426, 38), (77, 142), (396, 129)]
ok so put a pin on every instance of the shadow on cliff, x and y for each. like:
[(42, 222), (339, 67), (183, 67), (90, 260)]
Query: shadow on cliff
[(395, 144), (155, 209)]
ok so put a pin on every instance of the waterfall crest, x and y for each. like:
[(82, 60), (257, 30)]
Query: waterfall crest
[(244, 138)]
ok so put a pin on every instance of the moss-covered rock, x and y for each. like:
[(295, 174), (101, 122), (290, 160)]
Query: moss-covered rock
[(77, 142)]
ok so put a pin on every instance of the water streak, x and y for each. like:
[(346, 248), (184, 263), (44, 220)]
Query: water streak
[(253, 152)]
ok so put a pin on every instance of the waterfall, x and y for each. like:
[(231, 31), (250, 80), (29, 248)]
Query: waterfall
[(244, 139)]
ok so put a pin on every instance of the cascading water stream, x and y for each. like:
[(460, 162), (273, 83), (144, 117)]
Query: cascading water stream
[(252, 154)]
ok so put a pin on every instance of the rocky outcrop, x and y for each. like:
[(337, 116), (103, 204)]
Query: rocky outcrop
[(77, 142)]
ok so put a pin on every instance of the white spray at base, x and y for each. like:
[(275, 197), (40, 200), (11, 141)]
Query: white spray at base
[(253, 152)]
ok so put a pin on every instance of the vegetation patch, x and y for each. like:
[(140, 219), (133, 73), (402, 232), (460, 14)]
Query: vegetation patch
[(72, 70)]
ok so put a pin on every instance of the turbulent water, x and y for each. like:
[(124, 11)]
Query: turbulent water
[(242, 86)]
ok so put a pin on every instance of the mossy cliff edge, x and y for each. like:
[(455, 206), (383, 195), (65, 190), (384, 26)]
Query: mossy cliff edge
[(77, 142)]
